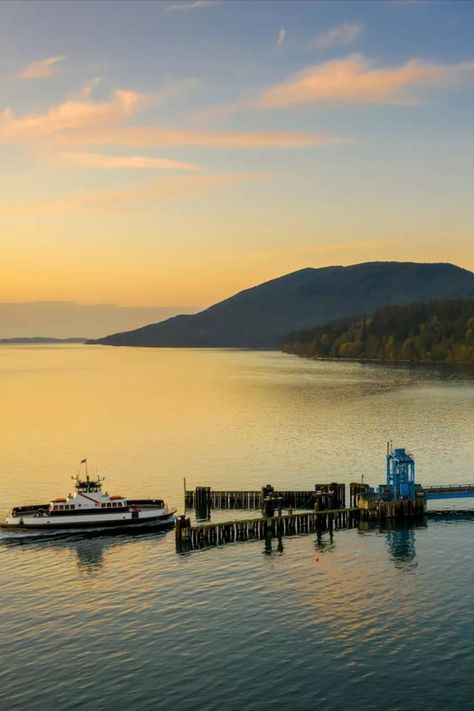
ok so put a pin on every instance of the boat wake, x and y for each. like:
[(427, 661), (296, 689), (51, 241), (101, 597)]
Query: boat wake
[(73, 534)]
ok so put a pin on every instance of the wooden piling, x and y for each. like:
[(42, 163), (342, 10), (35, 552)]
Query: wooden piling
[(295, 523)]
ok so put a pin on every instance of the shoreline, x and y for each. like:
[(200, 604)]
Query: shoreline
[(379, 361)]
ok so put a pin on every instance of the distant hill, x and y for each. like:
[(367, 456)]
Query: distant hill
[(442, 331), (39, 340), (261, 316)]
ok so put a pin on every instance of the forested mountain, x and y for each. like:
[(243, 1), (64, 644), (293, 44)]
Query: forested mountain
[(261, 316), (442, 331)]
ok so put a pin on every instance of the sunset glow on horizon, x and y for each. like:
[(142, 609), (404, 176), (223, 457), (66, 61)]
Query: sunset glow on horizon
[(159, 154)]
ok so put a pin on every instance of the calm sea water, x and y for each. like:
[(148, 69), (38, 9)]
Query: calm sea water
[(372, 619)]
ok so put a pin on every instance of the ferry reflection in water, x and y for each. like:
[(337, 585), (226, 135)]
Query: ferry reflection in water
[(90, 555), (90, 549)]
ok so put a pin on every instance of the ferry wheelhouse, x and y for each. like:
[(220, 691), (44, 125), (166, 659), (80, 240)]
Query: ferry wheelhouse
[(90, 507)]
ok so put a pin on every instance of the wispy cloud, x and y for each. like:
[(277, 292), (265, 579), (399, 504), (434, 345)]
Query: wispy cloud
[(410, 2), (356, 79), (39, 70), (83, 121), (191, 5), (78, 112), (156, 136), (339, 36), (163, 188), (281, 36), (106, 161)]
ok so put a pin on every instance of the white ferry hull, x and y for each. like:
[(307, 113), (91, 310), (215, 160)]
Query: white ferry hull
[(157, 518)]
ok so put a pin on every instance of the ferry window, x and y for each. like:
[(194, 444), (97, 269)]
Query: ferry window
[(66, 506), (61, 508), (120, 503), (73, 506), (103, 506)]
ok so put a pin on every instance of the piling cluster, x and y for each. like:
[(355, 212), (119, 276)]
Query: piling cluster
[(374, 508), (203, 498)]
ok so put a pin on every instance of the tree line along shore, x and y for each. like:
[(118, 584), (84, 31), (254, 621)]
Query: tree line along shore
[(436, 332)]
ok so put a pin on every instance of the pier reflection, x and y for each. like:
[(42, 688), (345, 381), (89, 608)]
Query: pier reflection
[(400, 538), (273, 545), (324, 539)]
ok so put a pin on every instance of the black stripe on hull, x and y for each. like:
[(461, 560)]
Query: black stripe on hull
[(159, 521)]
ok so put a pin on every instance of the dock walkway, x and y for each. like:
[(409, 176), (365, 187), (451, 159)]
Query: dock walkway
[(295, 523), (453, 491)]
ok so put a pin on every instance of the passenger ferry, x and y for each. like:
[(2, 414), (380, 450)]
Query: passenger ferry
[(89, 507)]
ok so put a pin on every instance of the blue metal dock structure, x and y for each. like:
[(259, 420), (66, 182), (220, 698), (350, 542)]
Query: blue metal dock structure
[(401, 474), (401, 496), (401, 480)]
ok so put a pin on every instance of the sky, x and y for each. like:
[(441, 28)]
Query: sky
[(161, 156)]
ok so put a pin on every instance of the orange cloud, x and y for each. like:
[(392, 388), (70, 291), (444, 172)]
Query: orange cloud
[(82, 121), (39, 70), (80, 112), (157, 136), (354, 79), (105, 161)]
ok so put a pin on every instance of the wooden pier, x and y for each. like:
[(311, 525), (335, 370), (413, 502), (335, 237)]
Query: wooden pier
[(312, 510), (190, 537), (253, 500)]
